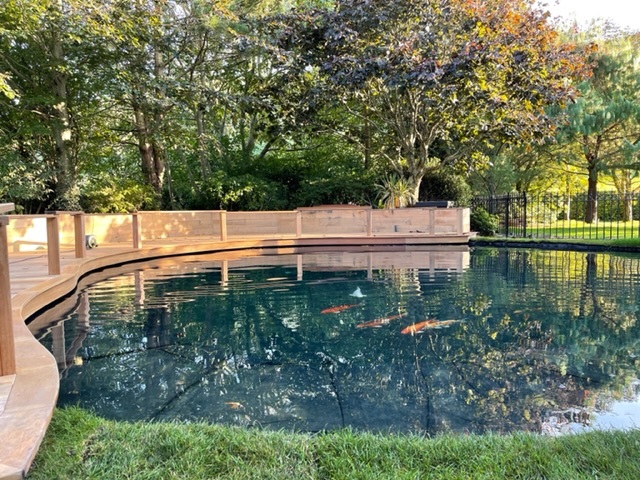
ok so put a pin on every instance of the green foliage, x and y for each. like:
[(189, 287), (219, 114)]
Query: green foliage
[(468, 79), (341, 188), (221, 191), (288, 171), (25, 183), (184, 88), (5, 88), (106, 194), (440, 184), (395, 192), (483, 222), (331, 173)]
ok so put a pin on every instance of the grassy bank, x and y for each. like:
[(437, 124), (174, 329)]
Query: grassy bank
[(80, 445), (611, 244)]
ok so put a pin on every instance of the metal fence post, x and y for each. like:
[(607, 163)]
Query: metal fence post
[(524, 217), (506, 215)]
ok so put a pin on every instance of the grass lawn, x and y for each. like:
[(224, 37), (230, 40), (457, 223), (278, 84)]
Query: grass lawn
[(627, 243), (79, 445), (581, 230)]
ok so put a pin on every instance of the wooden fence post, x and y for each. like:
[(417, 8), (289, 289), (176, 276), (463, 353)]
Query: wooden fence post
[(53, 244), (370, 223), (78, 230), (431, 228), (223, 225), (7, 345), (136, 226), (79, 234)]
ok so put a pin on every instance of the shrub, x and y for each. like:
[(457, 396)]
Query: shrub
[(395, 192), (483, 222), (112, 195), (442, 184), (339, 188), (241, 192)]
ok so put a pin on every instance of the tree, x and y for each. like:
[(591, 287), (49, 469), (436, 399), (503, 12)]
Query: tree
[(34, 36), (49, 48), (439, 78), (605, 119)]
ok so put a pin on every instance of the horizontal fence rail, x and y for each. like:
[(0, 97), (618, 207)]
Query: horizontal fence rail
[(609, 216)]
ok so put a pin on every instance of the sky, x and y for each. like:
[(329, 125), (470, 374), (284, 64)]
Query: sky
[(624, 13)]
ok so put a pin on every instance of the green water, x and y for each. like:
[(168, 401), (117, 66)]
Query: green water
[(516, 340)]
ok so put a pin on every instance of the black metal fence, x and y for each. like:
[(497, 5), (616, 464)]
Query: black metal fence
[(564, 216)]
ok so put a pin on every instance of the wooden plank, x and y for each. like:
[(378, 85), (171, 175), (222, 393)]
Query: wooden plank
[(223, 225), (7, 345), (79, 235), (136, 226), (7, 207), (53, 245)]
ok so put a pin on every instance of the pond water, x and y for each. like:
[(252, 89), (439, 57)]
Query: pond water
[(418, 340)]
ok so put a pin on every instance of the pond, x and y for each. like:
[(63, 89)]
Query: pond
[(388, 340)]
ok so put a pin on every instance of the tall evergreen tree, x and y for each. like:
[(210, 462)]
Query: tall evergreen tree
[(605, 119)]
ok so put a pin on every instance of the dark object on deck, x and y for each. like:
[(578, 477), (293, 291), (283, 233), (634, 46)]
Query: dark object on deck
[(90, 241), (435, 203)]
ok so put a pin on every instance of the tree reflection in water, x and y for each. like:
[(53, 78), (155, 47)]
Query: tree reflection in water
[(542, 340)]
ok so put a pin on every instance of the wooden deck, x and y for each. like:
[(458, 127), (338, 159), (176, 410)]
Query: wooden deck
[(27, 399)]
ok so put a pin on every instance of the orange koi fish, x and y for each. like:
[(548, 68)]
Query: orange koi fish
[(378, 322), (340, 308), (427, 324)]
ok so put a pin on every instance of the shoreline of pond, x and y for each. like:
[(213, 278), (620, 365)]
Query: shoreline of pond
[(549, 244)]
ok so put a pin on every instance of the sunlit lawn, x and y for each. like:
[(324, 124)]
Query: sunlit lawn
[(582, 230), (80, 445)]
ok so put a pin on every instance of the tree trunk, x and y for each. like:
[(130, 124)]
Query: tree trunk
[(145, 147), (591, 214), (205, 168), (65, 196), (159, 162), (415, 181), (248, 136), (158, 121), (567, 208), (148, 134), (367, 139), (588, 290), (627, 207)]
